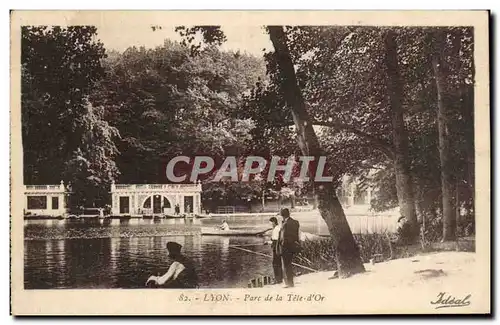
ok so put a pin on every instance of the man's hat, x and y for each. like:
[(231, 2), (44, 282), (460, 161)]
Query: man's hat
[(285, 213), (173, 248)]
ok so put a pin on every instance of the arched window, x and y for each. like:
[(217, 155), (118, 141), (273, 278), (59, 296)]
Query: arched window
[(166, 203), (147, 203)]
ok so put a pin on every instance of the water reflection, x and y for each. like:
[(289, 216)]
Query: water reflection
[(127, 262), (114, 254)]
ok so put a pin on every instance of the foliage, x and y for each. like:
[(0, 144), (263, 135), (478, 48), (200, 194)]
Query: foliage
[(343, 80), (320, 254), (92, 167), (63, 134), (406, 233), (93, 116), (211, 35), (60, 67), (167, 103)]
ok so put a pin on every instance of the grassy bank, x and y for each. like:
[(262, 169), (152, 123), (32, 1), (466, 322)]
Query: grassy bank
[(320, 254)]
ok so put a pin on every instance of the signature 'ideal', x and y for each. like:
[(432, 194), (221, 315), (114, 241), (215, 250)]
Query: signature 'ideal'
[(445, 300)]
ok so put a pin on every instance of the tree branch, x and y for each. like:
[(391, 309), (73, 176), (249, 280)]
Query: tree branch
[(385, 147), (380, 143)]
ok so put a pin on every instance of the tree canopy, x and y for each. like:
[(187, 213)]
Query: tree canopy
[(92, 115)]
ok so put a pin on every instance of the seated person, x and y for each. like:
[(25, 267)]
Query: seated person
[(181, 273), (224, 225)]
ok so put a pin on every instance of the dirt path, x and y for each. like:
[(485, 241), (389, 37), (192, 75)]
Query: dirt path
[(403, 285)]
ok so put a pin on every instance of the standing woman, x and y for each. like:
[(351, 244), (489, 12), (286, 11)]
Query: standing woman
[(180, 275), (277, 264)]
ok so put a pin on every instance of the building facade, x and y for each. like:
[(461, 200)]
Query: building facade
[(46, 200), (150, 199)]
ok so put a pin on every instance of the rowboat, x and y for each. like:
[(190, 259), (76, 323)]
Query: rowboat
[(207, 231), (88, 213)]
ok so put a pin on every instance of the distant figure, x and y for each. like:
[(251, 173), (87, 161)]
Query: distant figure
[(224, 225), (181, 273), (401, 222), (277, 264), (177, 209), (288, 244), (188, 208)]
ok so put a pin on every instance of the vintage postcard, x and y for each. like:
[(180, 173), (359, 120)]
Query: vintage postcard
[(250, 163)]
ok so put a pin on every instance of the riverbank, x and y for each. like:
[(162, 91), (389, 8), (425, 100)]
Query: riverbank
[(414, 283)]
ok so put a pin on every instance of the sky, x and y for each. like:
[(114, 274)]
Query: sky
[(250, 39)]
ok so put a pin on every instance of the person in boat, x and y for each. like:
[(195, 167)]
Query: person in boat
[(181, 273), (277, 264), (224, 225), (288, 244), (177, 209)]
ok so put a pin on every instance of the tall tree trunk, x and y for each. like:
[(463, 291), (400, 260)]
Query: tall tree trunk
[(457, 204), (347, 252), (315, 199), (447, 184), (470, 154), (399, 134), (263, 200)]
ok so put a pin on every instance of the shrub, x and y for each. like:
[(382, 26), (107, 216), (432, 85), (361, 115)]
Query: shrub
[(433, 231), (371, 244), (320, 254), (407, 234), (317, 254)]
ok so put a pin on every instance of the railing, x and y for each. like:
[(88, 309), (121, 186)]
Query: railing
[(225, 209), (45, 188), (232, 209), (171, 187), (145, 211)]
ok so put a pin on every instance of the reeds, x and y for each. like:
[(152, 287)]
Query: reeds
[(320, 254)]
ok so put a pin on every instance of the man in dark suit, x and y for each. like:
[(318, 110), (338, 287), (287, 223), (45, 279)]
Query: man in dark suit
[(288, 244)]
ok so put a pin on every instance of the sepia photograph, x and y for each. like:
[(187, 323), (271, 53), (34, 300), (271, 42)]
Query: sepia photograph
[(250, 163)]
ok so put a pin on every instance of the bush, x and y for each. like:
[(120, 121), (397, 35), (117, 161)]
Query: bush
[(320, 254), (466, 227), (407, 234), (317, 254), (433, 230), (371, 244)]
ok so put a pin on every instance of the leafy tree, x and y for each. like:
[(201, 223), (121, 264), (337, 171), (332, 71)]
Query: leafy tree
[(63, 134), (452, 72), (399, 131), (344, 81), (92, 167), (348, 258), (59, 69), (167, 103)]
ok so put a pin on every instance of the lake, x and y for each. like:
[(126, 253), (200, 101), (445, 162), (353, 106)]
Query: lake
[(115, 253)]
